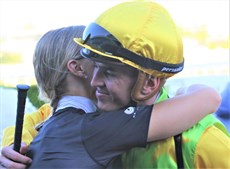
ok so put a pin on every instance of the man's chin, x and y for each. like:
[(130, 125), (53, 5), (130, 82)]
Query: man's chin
[(106, 107)]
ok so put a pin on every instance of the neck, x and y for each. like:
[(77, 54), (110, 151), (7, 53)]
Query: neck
[(151, 100), (77, 87)]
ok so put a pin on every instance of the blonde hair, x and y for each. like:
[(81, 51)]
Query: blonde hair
[(53, 51)]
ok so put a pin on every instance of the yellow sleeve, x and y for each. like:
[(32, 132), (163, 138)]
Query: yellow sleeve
[(30, 121), (213, 149)]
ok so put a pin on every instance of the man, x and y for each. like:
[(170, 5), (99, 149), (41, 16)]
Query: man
[(143, 35)]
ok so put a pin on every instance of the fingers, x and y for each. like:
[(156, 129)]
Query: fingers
[(8, 164), (9, 153), (1, 165), (12, 159), (24, 148)]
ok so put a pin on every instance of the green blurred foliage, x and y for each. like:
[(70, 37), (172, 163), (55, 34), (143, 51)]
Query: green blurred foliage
[(33, 96), (10, 58)]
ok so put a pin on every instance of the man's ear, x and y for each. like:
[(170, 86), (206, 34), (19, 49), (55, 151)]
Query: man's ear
[(151, 85), (146, 87), (75, 67)]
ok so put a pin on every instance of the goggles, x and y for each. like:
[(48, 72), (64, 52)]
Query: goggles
[(98, 43)]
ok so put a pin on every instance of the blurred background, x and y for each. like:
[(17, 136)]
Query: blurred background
[(204, 25)]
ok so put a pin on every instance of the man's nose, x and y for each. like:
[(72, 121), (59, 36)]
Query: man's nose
[(97, 79)]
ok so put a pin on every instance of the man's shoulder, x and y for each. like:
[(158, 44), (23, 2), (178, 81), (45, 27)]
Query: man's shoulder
[(195, 134), (204, 124)]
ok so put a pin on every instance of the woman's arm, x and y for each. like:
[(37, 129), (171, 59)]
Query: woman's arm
[(177, 114), (30, 121)]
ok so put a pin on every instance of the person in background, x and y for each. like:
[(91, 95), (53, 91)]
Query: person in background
[(223, 112)]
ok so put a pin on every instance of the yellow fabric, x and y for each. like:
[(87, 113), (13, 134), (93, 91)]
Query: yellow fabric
[(29, 131), (209, 153), (145, 28), (204, 146)]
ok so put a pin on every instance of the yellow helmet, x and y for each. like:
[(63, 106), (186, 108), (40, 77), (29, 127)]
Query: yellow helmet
[(138, 33)]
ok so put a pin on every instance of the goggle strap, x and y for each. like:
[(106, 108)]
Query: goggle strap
[(145, 62)]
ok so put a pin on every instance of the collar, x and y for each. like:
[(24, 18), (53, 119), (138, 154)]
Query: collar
[(77, 102)]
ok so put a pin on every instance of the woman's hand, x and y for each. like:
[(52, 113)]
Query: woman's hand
[(11, 159)]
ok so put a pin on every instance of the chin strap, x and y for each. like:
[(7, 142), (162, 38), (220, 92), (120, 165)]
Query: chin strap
[(136, 93)]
